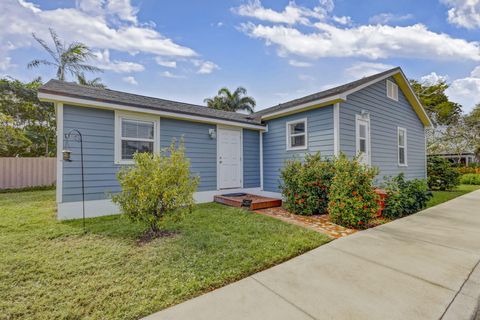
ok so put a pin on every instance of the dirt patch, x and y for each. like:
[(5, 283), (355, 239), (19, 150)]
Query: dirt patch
[(150, 235)]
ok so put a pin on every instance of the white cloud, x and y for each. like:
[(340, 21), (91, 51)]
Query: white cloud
[(345, 20), (168, 74), (305, 77), (103, 62), (166, 63), (108, 24), (373, 42), (364, 69), (385, 18), (205, 67), (130, 79), (433, 78), (299, 64), (464, 13), (466, 91), (292, 14)]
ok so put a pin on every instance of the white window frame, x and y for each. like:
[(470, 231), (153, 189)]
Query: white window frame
[(400, 129), (289, 135), (119, 116), (393, 92), (368, 136)]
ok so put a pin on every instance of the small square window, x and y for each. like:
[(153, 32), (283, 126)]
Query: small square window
[(297, 134), (392, 90)]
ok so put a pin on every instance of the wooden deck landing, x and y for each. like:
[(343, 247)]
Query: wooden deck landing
[(257, 202)]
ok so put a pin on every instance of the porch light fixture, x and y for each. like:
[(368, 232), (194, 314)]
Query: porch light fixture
[(212, 133), (364, 114), (67, 155)]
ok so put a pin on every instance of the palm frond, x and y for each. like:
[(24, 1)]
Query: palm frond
[(57, 42), (36, 62), (46, 47)]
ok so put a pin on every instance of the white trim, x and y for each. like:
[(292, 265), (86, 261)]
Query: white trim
[(336, 129), (59, 117), (369, 138), (97, 208), (300, 107), (289, 135), (404, 147), (113, 106), (219, 128), (425, 154), (261, 159), (119, 115), (394, 90)]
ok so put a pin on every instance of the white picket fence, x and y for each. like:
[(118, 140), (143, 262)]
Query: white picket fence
[(27, 172)]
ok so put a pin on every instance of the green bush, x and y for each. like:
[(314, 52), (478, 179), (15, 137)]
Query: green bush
[(441, 174), (352, 198), (405, 197), (156, 185), (305, 185), (470, 178)]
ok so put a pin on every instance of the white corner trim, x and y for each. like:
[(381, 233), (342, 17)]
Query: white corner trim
[(261, 159), (336, 129), (113, 106), (59, 116), (119, 115), (288, 135)]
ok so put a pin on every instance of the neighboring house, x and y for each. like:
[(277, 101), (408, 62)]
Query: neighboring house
[(464, 157), (378, 117)]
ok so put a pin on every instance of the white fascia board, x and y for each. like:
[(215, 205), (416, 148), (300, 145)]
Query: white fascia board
[(300, 107), (113, 106)]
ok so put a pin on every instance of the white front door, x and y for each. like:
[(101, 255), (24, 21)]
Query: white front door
[(229, 158), (363, 140)]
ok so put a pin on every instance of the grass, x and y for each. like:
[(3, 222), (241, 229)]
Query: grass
[(442, 196), (51, 270)]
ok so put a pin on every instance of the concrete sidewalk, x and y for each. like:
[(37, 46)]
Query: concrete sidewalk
[(420, 267)]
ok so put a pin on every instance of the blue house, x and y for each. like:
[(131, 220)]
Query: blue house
[(377, 117)]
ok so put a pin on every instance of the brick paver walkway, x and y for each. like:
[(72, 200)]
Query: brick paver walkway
[(320, 223)]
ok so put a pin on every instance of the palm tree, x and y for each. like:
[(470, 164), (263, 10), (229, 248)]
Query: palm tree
[(96, 82), (231, 101), (69, 58)]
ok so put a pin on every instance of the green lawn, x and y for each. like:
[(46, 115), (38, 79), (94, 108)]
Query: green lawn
[(51, 270), (442, 196)]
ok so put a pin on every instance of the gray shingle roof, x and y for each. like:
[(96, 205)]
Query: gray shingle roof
[(324, 94), (70, 89)]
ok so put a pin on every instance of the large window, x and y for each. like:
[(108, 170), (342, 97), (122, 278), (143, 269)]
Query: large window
[(134, 133), (297, 134), (402, 146), (392, 90)]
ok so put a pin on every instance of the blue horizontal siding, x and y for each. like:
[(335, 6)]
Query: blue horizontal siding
[(251, 159), (385, 116), (319, 135)]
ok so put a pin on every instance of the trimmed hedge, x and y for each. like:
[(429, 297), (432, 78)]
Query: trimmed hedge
[(470, 178), (441, 174)]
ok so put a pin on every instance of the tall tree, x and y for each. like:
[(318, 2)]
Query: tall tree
[(440, 109), (96, 82), (23, 112), (70, 58), (232, 101)]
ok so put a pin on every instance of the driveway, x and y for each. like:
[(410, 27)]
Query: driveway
[(423, 266)]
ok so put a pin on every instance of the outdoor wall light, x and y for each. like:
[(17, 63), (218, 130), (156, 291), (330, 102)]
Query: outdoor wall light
[(364, 114), (67, 155), (212, 133)]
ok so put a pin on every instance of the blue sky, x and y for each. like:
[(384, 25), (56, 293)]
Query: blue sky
[(278, 50)]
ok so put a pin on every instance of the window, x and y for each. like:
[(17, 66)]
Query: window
[(363, 138), (297, 134), (392, 90), (134, 133), (402, 146)]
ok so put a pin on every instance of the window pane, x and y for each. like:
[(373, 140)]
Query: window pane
[(297, 128), (401, 155), (137, 129), (130, 147), (401, 138), (298, 141), (363, 131), (363, 145)]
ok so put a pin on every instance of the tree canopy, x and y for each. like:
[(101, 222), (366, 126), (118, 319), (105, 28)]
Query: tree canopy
[(232, 101)]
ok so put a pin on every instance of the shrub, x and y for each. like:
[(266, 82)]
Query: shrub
[(470, 178), (441, 174), (305, 185), (352, 199), (469, 169), (405, 197), (156, 186)]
